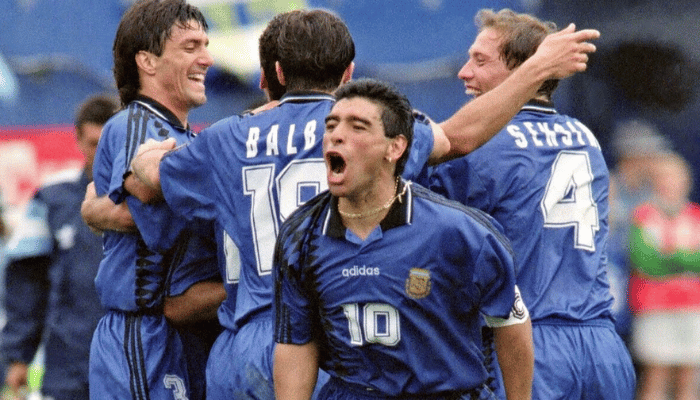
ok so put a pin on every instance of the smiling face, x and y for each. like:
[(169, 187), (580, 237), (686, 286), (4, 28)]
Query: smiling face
[(357, 152), (485, 68), (180, 71)]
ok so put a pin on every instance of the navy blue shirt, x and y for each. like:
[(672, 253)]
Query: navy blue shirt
[(399, 312), (50, 285)]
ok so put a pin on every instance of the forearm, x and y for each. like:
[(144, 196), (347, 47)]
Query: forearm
[(101, 214), (484, 116), (516, 358), (137, 188), (295, 370), (199, 303), (146, 167)]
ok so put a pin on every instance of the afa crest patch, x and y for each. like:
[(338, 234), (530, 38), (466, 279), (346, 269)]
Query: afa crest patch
[(418, 283)]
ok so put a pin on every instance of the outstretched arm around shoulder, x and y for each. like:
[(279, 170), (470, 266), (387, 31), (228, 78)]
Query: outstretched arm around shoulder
[(560, 55)]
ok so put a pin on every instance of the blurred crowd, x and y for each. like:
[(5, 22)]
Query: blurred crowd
[(654, 261)]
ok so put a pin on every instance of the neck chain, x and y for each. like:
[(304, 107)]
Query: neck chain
[(379, 209)]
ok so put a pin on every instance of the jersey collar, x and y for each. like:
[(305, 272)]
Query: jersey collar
[(305, 96), (399, 214), (160, 110), (542, 106)]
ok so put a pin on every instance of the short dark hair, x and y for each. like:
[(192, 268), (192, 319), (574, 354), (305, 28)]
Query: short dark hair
[(315, 48), (145, 26), (267, 47), (522, 35), (96, 110), (397, 114)]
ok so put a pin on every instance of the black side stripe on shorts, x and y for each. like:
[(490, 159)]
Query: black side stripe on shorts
[(133, 350)]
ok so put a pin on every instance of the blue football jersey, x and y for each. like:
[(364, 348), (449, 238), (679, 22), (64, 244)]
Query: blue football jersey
[(250, 172), (165, 257), (399, 312), (544, 178)]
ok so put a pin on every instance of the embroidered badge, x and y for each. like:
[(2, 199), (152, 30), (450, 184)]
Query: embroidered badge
[(418, 283)]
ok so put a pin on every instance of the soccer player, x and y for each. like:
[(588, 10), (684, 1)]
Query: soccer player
[(250, 172), (544, 179), (156, 282), (383, 283), (50, 293)]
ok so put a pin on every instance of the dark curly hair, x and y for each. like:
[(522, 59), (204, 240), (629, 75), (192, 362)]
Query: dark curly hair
[(397, 114), (146, 25)]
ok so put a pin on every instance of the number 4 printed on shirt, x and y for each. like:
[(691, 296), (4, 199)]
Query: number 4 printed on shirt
[(568, 199)]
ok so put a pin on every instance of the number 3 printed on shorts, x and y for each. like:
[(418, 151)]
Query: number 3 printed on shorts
[(177, 385), (568, 198)]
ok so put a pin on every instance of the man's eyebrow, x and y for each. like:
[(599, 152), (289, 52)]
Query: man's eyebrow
[(352, 118), (356, 118)]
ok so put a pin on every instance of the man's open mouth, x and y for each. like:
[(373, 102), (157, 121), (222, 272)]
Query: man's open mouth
[(336, 162)]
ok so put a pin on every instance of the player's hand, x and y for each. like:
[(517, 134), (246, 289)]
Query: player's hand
[(16, 377), (162, 147), (566, 52)]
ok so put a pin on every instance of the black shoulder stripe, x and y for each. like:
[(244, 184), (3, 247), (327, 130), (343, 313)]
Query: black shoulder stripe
[(137, 128)]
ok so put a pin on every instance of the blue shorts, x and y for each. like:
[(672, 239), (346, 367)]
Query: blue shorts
[(337, 389), (240, 365), (140, 357), (581, 361)]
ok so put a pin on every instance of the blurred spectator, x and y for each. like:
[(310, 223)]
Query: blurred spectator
[(637, 145), (53, 256), (664, 289)]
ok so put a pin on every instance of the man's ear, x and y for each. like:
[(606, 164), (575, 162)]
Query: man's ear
[(263, 81), (146, 62), (347, 75), (398, 146), (280, 73)]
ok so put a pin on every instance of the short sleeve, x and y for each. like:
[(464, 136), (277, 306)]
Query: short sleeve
[(292, 307), (109, 165), (421, 148), (495, 275), (186, 179)]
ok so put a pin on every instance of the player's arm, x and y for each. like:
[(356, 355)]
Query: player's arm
[(101, 214), (199, 302), (515, 349), (295, 370), (516, 358), (560, 55), (146, 167)]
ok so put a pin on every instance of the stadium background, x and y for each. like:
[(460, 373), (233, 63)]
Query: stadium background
[(53, 54)]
